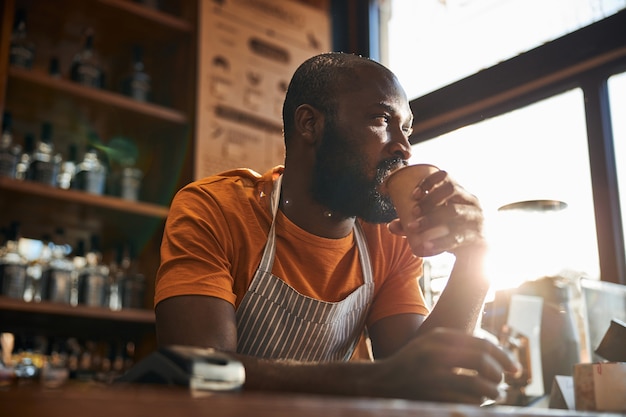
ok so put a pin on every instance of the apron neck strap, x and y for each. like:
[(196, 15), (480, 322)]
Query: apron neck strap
[(275, 201)]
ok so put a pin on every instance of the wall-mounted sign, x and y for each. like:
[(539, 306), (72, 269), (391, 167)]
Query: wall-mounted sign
[(248, 51)]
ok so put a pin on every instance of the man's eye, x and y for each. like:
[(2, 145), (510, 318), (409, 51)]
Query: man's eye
[(407, 130), (383, 118)]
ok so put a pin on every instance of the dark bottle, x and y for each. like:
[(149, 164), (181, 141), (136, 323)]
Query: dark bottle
[(91, 172), (57, 279), (9, 152), (137, 84), (560, 338), (53, 68), (86, 68), (130, 183), (92, 282), (22, 170), (12, 266), (22, 50), (45, 164), (131, 282)]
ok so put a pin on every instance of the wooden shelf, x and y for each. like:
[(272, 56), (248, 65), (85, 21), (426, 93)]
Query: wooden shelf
[(95, 96), (156, 16), (63, 310), (81, 197), (65, 320), (121, 11)]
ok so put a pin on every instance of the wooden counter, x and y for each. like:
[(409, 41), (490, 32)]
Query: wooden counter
[(121, 400)]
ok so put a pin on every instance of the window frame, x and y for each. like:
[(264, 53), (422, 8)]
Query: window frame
[(582, 59)]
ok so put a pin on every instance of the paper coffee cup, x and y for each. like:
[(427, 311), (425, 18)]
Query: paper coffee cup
[(400, 185)]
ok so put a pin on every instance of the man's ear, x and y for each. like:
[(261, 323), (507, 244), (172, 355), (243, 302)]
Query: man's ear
[(309, 123)]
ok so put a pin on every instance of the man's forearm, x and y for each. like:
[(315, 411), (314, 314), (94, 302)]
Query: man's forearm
[(421, 370), (326, 378), (460, 304)]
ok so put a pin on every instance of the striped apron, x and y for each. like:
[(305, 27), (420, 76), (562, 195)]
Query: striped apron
[(274, 321)]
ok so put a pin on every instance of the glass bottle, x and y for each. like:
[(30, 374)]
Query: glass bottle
[(79, 262), (9, 152), (137, 84), (125, 179), (57, 279), (130, 183), (86, 68), (45, 164), (22, 170), (92, 281), (53, 68), (55, 372), (68, 168), (91, 172), (132, 283), (12, 266), (22, 50), (32, 250), (559, 335), (115, 278)]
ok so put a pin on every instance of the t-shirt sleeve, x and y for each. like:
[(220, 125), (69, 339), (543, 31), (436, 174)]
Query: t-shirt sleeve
[(399, 292), (194, 249)]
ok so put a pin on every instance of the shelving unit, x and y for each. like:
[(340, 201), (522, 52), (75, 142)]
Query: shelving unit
[(161, 129)]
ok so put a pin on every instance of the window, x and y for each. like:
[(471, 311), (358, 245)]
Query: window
[(432, 43), (535, 117), (533, 153), (617, 96)]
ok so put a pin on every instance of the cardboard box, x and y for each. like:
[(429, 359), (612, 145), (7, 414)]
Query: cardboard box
[(600, 386)]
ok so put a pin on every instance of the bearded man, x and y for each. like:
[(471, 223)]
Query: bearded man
[(291, 270)]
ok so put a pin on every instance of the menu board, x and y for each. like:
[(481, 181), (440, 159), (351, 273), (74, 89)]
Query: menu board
[(248, 51)]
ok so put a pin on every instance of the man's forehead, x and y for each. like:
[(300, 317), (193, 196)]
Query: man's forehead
[(367, 72), (375, 97), (373, 78)]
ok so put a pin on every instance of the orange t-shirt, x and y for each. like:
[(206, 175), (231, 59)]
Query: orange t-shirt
[(216, 231)]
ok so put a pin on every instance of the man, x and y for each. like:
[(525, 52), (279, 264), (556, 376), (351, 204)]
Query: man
[(286, 272)]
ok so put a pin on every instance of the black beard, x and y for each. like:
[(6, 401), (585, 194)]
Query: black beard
[(342, 184)]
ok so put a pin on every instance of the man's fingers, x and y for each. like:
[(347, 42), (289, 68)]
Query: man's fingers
[(395, 227), (460, 350)]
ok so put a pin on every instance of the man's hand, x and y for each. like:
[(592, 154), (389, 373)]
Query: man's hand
[(446, 215), (445, 365)]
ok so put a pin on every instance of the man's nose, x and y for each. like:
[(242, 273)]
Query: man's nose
[(400, 145)]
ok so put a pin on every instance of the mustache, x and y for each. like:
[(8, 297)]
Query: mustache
[(386, 167)]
